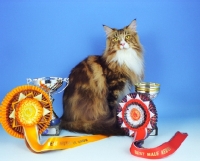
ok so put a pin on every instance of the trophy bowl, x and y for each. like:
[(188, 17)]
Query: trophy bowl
[(50, 85), (152, 89)]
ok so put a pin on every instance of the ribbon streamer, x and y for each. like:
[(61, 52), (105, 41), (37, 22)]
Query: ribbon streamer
[(56, 143), (161, 151)]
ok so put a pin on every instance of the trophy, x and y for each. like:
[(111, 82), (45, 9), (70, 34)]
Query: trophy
[(50, 85), (151, 89)]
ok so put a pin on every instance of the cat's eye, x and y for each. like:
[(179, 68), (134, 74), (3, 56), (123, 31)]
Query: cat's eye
[(115, 39), (127, 37)]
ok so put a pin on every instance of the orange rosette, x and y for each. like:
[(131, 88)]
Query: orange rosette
[(26, 112), (29, 112), (25, 106)]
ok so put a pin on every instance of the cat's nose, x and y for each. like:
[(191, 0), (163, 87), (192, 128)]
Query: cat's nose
[(122, 43)]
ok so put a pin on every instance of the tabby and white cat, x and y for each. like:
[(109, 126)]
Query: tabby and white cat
[(98, 83)]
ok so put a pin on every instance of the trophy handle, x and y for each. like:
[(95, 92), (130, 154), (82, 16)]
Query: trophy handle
[(67, 82), (58, 82), (29, 80)]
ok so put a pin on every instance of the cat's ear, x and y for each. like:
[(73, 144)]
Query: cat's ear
[(108, 30), (133, 25)]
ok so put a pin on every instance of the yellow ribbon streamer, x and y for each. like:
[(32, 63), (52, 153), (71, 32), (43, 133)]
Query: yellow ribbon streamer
[(56, 143)]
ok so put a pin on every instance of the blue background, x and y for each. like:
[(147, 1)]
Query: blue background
[(48, 38)]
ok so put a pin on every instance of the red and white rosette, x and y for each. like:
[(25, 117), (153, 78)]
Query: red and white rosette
[(137, 115)]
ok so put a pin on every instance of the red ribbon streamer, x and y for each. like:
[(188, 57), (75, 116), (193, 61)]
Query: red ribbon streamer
[(161, 151)]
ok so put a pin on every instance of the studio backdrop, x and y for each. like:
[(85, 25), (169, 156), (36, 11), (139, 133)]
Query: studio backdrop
[(43, 38)]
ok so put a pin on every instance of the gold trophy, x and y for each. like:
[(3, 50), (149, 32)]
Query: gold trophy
[(50, 85), (151, 89)]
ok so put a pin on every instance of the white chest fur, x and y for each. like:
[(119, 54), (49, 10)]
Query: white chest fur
[(131, 59)]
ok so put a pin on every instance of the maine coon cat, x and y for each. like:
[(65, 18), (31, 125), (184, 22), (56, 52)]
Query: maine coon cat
[(98, 83)]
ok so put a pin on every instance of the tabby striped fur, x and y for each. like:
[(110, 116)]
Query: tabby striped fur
[(98, 83)]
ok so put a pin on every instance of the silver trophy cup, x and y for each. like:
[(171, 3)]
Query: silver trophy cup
[(50, 85)]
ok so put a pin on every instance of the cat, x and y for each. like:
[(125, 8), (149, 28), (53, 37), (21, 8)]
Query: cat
[(98, 83)]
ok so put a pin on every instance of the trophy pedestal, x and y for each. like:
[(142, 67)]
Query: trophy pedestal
[(54, 127), (155, 131), (52, 131)]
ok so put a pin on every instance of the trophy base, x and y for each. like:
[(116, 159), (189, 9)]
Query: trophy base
[(155, 132), (54, 127), (52, 131)]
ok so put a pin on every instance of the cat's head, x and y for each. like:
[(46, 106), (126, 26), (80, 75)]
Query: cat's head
[(122, 39)]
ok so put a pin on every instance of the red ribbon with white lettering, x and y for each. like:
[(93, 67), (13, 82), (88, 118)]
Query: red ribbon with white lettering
[(161, 151), (137, 115)]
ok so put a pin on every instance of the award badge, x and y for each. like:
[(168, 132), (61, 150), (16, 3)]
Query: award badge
[(137, 115), (26, 112)]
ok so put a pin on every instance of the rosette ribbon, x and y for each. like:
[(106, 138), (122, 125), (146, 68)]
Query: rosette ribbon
[(26, 112), (137, 115)]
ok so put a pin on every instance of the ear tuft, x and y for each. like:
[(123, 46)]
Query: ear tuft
[(133, 25), (108, 30)]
